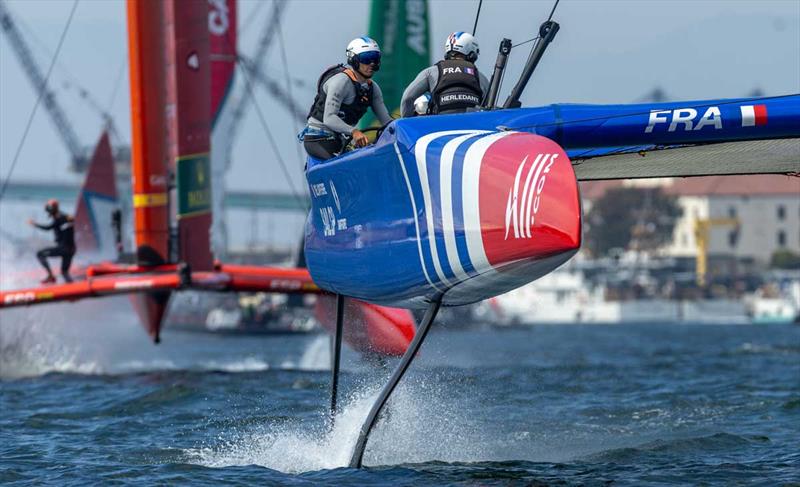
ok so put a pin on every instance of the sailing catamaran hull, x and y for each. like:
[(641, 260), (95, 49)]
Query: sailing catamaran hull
[(467, 214), (469, 206)]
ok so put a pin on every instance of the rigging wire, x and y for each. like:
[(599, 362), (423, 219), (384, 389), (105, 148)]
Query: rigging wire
[(553, 11), (249, 87), (477, 14), (525, 42), (243, 69), (286, 70), (117, 84), (39, 99), (73, 83), (251, 17)]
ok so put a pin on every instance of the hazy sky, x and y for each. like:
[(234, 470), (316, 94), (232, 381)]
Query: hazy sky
[(605, 52)]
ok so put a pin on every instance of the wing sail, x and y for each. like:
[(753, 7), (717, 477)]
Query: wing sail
[(776, 156), (690, 138)]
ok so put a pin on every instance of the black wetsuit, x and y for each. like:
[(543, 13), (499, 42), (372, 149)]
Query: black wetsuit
[(63, 228)]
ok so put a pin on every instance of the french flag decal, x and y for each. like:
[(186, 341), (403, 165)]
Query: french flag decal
[(469, 70), (753, 115)]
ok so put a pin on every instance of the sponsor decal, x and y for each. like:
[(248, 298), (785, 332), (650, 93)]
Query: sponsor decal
[(133, 284), (460, 97), (341, 224), (451, 70), (522, 206), (753, 115), (44, 296), (194, 187), (23, 297), (416, 26), (318, 190), (328, 221), (218, 17), (685, 119), (288, 284)]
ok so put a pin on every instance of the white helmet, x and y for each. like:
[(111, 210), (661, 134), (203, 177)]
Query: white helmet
[(464, 43), (364, 50)]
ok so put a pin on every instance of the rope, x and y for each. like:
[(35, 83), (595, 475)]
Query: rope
[(286, 70), (39, 99), (270, 138), (525, 42)]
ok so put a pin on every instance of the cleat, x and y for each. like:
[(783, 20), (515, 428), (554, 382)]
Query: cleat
[(48, 280)]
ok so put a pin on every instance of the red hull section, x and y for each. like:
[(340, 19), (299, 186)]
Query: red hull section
[(529, 202), (369, 328), (151, 308)]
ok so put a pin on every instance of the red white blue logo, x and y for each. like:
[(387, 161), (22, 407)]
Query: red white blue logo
[(489, 199)]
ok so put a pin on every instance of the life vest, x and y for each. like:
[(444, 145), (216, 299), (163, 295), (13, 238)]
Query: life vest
[(458, 88), (351, 113)]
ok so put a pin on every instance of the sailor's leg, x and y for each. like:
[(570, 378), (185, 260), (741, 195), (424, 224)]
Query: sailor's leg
[(42, 255), (337, 353), (408, 357), (322, 148), (66, 262)]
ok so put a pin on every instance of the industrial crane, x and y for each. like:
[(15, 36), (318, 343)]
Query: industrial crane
[(255, 66), (79, 155)]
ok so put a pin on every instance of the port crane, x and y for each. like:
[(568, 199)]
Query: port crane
[(80, 155)]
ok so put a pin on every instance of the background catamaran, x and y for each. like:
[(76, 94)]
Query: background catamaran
[(173, 202)]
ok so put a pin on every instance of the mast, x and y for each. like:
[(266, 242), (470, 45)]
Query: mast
[(148, 124)]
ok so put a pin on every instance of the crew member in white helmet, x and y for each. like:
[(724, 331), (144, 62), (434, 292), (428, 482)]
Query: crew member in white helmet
[(452, 85), (344, 93)]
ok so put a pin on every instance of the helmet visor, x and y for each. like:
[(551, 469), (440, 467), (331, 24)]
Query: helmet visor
[(370, 57)]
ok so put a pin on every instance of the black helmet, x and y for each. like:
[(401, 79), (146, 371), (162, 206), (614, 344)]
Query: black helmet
[(51, 207)]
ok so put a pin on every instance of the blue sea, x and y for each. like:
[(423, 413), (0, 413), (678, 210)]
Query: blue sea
[(89, 401)]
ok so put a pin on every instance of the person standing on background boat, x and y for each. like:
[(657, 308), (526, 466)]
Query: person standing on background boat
[(62, 226), (452, 85), (344, 93)]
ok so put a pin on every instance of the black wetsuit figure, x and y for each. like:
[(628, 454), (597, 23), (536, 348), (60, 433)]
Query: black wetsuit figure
[(63, 228)]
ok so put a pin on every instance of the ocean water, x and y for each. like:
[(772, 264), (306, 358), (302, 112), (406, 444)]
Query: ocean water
[(90, 401)]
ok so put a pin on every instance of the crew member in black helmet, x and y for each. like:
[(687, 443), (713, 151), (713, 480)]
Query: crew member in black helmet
[(344, 93), (62, 226), (450, 86)]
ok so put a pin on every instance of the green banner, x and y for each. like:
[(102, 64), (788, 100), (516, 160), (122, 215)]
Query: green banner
[(194, 185), (401, 29)]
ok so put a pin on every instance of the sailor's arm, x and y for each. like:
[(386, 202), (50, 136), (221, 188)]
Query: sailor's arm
[(417, 88), (41, 226), (336, 88), (379, 106)]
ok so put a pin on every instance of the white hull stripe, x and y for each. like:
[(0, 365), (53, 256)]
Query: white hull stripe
[(416, 221), (470, 193), (748, 116), (446, 187), (420, 153)]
